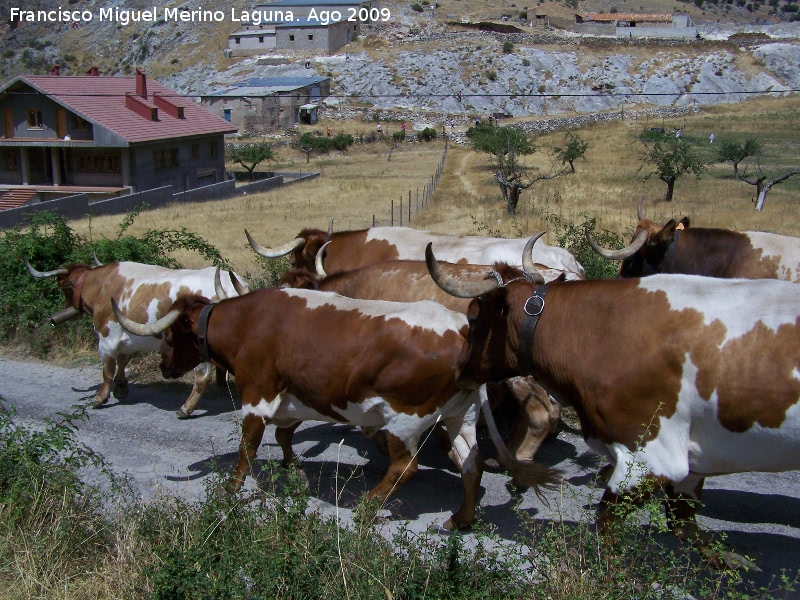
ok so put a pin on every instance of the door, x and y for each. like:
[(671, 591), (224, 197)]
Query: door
[(61, 123), (8, 122)]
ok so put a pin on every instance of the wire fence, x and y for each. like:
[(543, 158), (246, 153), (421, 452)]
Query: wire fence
[(402, 209)]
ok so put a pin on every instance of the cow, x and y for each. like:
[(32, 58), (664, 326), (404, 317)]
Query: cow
[(145, 291), (674, 377), (353, 249), (306, 355), (409, 281), (677, 248)]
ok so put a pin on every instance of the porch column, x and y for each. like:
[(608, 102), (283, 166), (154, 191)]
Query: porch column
[(24, 165), (125, 161), (55, 161)]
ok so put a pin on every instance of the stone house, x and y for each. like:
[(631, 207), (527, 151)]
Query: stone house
[(268, 104), (635, 25), (104, 136)]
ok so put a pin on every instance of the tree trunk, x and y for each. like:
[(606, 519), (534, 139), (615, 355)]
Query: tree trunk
[(513, 199), (670, 181), (766, 187)]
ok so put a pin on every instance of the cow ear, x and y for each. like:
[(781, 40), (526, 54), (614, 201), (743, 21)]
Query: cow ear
[(666, 235)]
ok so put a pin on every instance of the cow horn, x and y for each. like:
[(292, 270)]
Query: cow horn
[(330, 228), (145, 329), (277, 252), (318, 260), (639, 211), (45, 274), (527, 260), (64, 315), (240, 286), (97, 262), (453, 286), (218, 289), (639, 240)]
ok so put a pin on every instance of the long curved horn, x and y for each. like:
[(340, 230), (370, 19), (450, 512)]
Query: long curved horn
[(318, 260), (218, 289), (639, 211), (64, 315), (330, 228), (45, 274), (453, 286), (638, 241), (277, 252), (97, 262), (145, 329), (527, 260), (239, 285)]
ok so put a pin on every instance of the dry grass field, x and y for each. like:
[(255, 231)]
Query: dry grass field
[(356, 185)]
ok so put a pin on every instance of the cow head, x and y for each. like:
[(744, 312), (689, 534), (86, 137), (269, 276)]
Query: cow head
[(302, 250), (647, 252), (300, 278), (71, 279), (180, 344), (490, 352)]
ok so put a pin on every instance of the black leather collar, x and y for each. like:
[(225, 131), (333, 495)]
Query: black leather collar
[(533, 308), (202, 330)]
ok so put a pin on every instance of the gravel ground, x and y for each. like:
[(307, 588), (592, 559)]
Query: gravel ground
[(142, 437)]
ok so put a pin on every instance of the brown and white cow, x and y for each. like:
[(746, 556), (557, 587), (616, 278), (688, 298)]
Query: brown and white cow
[(145, 292), (409, 281), (353, 249), (674, 377), (306, 355), (677, 248)]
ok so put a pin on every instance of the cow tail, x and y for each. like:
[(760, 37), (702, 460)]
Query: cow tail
[(524, 473)]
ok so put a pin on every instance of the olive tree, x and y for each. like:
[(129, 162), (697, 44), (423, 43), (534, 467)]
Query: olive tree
[(670, 157)]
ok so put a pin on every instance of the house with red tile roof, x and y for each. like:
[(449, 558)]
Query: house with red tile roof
[(105, 136)]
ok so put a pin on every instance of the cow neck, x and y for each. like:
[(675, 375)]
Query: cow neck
[(532, 308), (77, 292), (202, 330), (673, 247)]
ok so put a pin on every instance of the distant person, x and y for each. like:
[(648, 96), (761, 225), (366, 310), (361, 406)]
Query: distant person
[(403, 127), (477, 121), (328, 131), (711, 139)]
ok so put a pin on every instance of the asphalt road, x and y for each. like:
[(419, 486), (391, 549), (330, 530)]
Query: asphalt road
[(141, 437)]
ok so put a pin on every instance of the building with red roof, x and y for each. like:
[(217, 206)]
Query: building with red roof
[(106, 136)]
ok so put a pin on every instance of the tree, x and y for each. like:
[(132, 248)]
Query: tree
[(574, 148), (250, 155), (506, 145), (672, 157), (736, 153)]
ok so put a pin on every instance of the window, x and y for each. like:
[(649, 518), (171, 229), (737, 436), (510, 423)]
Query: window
[(291, 38), (212, 148), (226, 114), (98, 163), (36, 160), (310, 36), (238, 41), (165, 159), (34, 118), (261, 39), (10, 162), (195, 150), (79, 123)]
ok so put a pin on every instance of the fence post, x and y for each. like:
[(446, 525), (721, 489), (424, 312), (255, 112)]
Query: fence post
[(409, 207), (373, 220), (392, 213), (401, 210)]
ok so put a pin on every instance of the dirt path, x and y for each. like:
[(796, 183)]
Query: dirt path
[(141, 436)]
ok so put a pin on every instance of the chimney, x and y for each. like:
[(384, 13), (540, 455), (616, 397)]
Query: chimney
[(55, 71), (141, 84), (93, 72)]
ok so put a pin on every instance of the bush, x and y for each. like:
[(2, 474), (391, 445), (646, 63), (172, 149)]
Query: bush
[(508, 47), (427, 134), (417, 7)]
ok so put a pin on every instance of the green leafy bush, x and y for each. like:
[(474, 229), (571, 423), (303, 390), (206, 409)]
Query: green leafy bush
[(571, 236), (427, 134)]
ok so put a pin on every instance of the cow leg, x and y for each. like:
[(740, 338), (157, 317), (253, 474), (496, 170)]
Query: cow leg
[(681, 505), (538, 418), (202, 377), (402, 467), (252, 433), (284, 435), (465, 453), (109, 367), (120, 379)]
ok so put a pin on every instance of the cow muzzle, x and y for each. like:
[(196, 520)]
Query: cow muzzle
[(65, 315)]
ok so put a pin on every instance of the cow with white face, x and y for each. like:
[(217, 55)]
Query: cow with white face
[(145, 292), (302, 355), (674, 377), (354, 249)]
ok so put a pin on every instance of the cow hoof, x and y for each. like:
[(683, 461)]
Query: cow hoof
[(182, 414), (603, 476), (121, 391), (451, 526), (99, 402), (492, 465)]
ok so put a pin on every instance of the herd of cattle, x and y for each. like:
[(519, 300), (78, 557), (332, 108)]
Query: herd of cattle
[(686, 366)]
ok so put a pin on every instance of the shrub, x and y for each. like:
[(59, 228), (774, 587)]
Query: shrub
[(427, 134), (417, 7), (508, 47)]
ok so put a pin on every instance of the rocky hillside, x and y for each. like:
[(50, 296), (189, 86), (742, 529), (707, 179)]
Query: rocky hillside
[(421, 62)]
